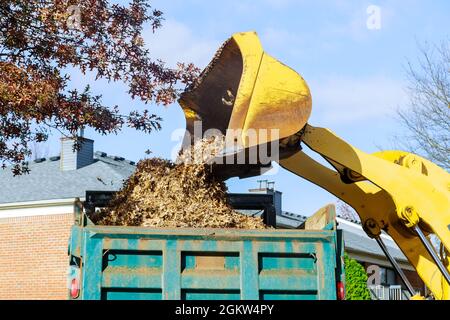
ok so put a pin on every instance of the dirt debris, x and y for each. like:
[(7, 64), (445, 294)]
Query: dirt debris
[(169, 195)]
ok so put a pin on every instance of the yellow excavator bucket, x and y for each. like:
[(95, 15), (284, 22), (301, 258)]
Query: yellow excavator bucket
[(244, 89)]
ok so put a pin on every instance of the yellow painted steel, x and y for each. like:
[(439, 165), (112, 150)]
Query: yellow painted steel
[(388, 187), (245, 89)]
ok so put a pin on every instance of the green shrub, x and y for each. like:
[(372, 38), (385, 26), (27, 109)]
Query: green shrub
[(355, 280)]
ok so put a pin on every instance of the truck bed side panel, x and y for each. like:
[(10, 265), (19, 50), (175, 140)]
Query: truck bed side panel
[(140, 263)]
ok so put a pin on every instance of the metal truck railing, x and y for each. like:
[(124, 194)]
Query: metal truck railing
[(393, 292)]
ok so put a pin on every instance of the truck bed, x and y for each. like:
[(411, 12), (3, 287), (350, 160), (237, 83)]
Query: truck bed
[(144, 263)]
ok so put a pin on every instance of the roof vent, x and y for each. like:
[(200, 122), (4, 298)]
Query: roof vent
[(39, 160), (118, 158), (100, 154), (55, 158)]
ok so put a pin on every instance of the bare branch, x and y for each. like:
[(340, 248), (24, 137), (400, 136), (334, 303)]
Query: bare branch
[(427, 116)]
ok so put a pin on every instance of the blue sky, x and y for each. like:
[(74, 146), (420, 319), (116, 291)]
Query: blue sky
[(356, 75)]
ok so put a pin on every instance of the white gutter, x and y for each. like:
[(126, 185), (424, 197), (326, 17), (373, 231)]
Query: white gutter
[(37, 208), (359, 228), (390, 243)]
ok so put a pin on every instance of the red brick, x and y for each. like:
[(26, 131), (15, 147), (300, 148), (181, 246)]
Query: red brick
[(33, 256)]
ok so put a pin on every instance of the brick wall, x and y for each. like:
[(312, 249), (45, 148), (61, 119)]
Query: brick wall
[(33, 256)]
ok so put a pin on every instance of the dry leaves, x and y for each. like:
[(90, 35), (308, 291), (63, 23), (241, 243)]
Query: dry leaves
[(203, 151), (163, 194)]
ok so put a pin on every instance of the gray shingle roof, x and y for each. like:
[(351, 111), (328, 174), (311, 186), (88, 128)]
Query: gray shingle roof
[(290, 220), (357, 240), (46, 181)]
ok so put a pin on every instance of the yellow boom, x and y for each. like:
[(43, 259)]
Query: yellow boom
[(244, 89)]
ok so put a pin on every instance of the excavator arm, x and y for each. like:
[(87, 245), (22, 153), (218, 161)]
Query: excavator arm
[(253, 100), (394, 191)]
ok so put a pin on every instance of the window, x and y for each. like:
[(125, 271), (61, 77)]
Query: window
[(387, 276)]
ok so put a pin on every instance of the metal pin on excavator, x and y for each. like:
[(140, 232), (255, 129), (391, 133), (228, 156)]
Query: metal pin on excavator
[(407, 196)]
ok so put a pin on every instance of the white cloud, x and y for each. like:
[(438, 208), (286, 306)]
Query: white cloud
[(347, 99), (175, 42)]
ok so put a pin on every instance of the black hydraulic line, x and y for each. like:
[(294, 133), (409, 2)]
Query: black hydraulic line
[(432, 253), (396, 266)]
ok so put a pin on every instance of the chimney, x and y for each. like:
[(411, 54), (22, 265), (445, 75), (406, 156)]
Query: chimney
[(73, 160), (267, 187)]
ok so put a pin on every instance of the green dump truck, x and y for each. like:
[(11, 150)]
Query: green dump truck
[(109, 262)]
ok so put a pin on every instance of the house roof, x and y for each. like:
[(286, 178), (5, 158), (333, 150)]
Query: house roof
[(357, 240), (290, 220), (46, 181)]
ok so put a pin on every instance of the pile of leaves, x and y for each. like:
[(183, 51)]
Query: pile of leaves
[(185, 194), (167, 195)]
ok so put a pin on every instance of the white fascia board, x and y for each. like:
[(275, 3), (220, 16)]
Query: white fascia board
[(37, 208), (357, 227)]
